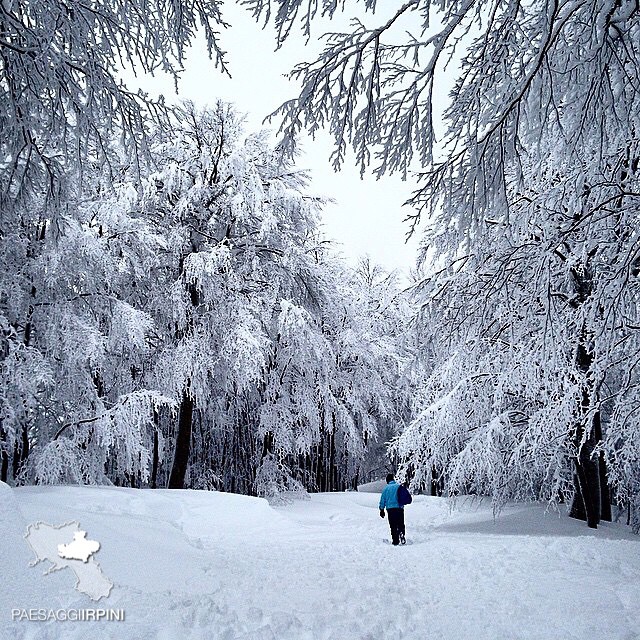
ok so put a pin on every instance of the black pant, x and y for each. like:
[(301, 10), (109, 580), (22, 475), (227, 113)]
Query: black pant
[(396, 524)]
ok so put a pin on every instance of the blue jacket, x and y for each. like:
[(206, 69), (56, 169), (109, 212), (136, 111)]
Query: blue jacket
[(389, 497)]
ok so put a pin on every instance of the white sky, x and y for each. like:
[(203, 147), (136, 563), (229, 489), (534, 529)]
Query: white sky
[(367, 218)]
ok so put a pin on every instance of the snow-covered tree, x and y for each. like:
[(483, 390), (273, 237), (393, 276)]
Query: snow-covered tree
[(531, 198), (60, 92), (61, 104), (75, 339), (183, 323), (264, 349), (348, 362), (531, 394), (238, 222), (130, 298)]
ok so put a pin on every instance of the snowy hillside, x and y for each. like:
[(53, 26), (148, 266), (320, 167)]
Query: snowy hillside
[(189, 564)]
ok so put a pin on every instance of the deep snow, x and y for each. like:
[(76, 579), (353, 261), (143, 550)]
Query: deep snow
[(190, 564)]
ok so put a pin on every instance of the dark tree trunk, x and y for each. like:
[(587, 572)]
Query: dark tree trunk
[(319, 465), (319, 458), (154, 467), (21, 448), (25, 443), (331, 471), (28, 326), (589, 482), (20, 451), (185, 419), (436, 482), (587, 501), (15, 466), (577, 510), (4, 466), (267, 444), (605, 493), (4, 456), (183, 443)]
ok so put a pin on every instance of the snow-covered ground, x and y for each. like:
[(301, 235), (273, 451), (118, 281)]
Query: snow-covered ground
[(189, 564)]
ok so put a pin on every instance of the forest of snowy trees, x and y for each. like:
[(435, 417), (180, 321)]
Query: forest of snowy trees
[(172, 315), (185, 324)]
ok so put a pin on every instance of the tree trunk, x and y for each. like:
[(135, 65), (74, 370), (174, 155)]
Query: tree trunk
[(587, 501), (436, 482), (156, 457), (185, 419), (20, 451), (25, 444), (21, 447), (588, 480), (183, 443), (267, 445), (4, 457), (605, 493), (331, 471)]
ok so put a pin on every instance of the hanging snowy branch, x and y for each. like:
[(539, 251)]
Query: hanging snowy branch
[(59, 90)]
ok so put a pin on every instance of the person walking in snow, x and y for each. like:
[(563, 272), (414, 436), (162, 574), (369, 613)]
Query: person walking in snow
[(394, 497)]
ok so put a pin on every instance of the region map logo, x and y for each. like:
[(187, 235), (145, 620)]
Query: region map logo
[(66, 546)]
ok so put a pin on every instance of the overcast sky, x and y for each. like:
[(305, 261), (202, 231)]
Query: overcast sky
[(367, 218)]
